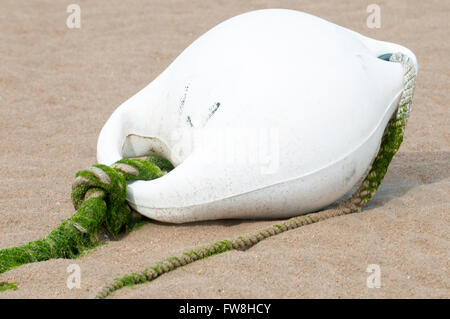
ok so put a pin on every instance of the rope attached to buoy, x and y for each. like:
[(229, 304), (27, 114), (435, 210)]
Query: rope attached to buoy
[(99, 196), (390, 143)]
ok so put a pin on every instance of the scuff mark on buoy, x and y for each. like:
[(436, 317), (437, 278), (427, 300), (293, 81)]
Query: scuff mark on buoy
[(188, 119), (183, 100), (213, 109)]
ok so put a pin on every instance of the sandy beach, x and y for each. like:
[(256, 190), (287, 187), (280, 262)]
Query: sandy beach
[(58, 86)]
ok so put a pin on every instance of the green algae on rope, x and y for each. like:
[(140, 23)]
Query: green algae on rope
[(99, 195), (7, 286)]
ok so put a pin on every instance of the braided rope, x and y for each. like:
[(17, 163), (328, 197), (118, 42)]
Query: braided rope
[(99, 196), (390, 143)]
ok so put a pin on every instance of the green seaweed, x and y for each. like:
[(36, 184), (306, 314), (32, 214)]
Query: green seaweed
[(99, 195), (4, 286)]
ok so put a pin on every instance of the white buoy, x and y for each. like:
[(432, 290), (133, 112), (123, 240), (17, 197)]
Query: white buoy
[(270, 114)]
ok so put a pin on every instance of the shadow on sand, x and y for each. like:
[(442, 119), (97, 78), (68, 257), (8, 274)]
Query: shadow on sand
[(408, 170)]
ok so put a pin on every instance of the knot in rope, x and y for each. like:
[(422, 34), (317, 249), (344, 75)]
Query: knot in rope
[(99, 196), (108, 184)]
